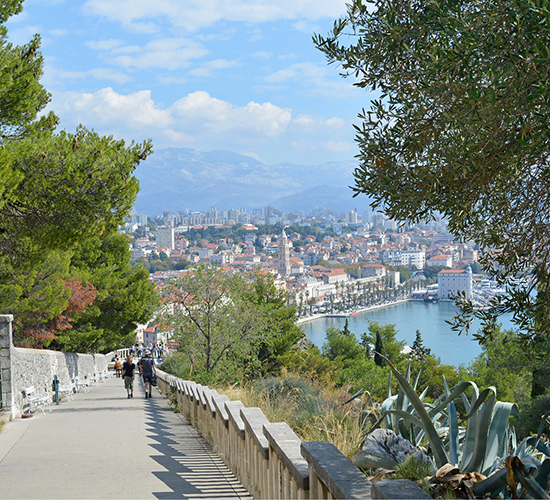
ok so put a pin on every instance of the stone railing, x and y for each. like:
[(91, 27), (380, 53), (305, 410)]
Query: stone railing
[(22, 368), (269, 459)]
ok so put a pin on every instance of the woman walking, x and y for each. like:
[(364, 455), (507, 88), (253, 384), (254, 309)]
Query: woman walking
[(128, 372)]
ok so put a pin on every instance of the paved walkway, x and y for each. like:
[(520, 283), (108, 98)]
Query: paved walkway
[(103, 445)]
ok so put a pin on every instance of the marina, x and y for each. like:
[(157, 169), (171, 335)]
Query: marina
[(430, 318)]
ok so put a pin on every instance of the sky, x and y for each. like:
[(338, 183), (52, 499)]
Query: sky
[(241, 75)]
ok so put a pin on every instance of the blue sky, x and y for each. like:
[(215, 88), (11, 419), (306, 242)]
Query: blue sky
[(241, 75)]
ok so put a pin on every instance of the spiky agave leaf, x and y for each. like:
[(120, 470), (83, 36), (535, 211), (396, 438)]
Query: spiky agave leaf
[(423, 419), (452, 418), (517, 469), (498, 431)]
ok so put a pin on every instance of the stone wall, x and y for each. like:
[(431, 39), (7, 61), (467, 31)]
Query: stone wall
[(22, 368)]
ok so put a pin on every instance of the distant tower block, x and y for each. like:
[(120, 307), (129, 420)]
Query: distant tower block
[(165, 237), (283, 262)]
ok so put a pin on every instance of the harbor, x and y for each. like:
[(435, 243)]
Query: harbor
[(430, 318)]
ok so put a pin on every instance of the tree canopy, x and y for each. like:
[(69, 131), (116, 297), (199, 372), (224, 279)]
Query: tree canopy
[(61, 192), (224, 323), (86, 299), (56, 187), (460, 128)]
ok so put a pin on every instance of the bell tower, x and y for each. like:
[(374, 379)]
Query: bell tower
[(283, 262)]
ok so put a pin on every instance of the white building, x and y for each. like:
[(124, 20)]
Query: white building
[(395, 277), (311, 258), (452, 281), (351, 217), (408, 258), (445, 260), (221, 258), (372, 270), (165, 237)]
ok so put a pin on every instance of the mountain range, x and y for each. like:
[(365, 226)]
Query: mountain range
[(176, 179)]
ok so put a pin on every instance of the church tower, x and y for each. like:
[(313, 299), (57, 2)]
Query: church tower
[(283, 262)]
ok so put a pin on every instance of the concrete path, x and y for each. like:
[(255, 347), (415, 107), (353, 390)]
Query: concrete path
[(103, 445)]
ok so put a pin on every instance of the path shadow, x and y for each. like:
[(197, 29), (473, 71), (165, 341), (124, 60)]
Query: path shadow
[(192, 469)]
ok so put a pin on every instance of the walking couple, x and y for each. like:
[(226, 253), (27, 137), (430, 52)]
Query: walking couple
[(147, 369)]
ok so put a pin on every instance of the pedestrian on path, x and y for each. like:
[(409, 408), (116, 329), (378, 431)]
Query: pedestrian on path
[(148, 370), (128, 373), (118, 367)]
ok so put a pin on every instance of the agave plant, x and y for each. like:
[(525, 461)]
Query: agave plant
[(485, 445)]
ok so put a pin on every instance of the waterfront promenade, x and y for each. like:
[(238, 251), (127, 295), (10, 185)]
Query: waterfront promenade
[(103, 445), (313, 317)]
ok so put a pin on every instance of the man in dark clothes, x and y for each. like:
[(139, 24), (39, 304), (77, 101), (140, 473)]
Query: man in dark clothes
[(148, 369)]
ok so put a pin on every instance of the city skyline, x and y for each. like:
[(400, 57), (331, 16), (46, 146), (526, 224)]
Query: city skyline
[(237, 75)]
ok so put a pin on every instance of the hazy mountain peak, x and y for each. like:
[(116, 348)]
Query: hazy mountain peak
[(179, 178)]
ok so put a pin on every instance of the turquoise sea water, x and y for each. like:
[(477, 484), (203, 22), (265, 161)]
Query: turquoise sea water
[(429, 318)]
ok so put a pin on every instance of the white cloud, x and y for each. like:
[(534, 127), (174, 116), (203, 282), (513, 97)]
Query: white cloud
[(304, 121), (283, 57), (169, 79), (209, 68), (144, 28), (201, 121), (313, 78), (59, 32), (165, 53), (308, 121), (106, 107), (335, 122), (54, 76), (298, 71), (222, 64), (261, 54), (195, 115), (212, 115), (338, 146), (21, 36), (196, 14), (104, 44)]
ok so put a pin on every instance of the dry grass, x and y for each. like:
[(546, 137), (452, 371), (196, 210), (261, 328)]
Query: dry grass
[(345, 429), (314, 412)]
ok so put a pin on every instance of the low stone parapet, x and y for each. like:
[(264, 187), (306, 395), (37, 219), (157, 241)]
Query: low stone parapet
[(22, 368)]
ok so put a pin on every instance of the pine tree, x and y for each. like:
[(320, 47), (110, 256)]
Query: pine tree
[(365, 342), (56, 188), (418, 351), (379, 349), (346, 330)]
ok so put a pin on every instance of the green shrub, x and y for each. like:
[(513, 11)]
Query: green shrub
[(531, 411), (413, 468), (292, 390), (177, 364)]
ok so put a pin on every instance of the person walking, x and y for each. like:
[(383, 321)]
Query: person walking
[(128, 372), (118, 367), (148, 370)]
